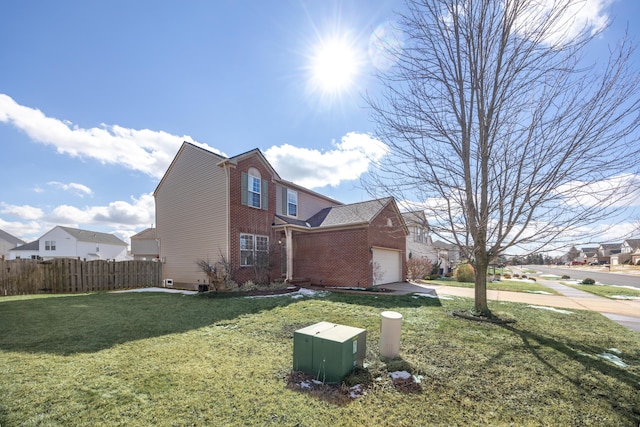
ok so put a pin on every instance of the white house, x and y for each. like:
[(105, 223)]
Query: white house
[(29, 250), (145, 245), (8, 242), (65, 242)]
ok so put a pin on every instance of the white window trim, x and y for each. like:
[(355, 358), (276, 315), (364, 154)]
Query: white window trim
[(250, 191), (254, 250), (289, 191)]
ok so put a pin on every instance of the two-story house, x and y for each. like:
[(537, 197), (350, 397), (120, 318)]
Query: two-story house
[(240, 213), (419, 242), (7, 242), (628, 249), (67, 242), (145, 246)]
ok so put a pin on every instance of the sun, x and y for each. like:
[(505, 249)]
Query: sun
[(334, 66)]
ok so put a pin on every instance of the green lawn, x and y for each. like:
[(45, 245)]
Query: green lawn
[(502, 285), (607, 291), (142, 359)]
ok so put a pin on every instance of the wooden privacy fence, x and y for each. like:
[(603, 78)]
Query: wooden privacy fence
[(26, 276)]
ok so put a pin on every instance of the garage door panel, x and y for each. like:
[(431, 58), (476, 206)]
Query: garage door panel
[(387, 264)]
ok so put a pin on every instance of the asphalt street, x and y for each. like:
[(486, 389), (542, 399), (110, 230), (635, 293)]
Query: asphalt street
[(596, 273)]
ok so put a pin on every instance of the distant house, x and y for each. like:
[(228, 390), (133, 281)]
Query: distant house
[(419, 243), (627, 250), (66, 242), (29, 250), (7, 242), (588, 255), (145, 245), (608, 250), (448, 256), (239, 211)]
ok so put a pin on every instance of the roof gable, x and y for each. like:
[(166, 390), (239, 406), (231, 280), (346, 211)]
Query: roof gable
[(9, 238), (31, 246), (252, 153), (147, 233), (187, 146)]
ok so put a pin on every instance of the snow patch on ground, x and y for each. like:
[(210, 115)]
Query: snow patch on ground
[(301, 293), (625, 297), (166, 290), (613, 359), (540, 292), (557, 310), (430, 296)]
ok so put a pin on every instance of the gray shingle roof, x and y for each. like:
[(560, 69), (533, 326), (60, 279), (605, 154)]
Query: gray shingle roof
[(9, 238), (147, 233), (355, 213), (94, 236), (634, 243), (31, 246)]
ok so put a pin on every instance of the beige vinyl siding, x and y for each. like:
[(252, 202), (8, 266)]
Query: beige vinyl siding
[(308, 204), (191, 214)]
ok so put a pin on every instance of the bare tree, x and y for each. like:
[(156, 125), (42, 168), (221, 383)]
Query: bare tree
[(500, 130)]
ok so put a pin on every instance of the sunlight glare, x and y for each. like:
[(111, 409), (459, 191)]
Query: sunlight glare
[(334, 66)]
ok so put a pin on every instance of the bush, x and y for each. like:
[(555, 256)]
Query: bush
[(516, 276), (565, 277), (588, 281), (506, 276), (533, 278), (418, 268), (524, 276), (465, 273)]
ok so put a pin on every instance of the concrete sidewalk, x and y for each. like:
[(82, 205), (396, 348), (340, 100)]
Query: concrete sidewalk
[(624, 312)]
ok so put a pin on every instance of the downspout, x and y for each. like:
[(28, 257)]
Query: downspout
[(289, 245)]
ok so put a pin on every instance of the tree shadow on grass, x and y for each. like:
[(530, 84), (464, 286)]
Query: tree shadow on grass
[(537, 345), (89, 323), (384, 301)]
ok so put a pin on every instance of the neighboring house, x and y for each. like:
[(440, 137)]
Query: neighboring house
[(419, 243), (588, 255), (145, 245), (66, 242), (239, 212), (7, 242), (448, 255), (627, 250), (606, 251), (29, 250)]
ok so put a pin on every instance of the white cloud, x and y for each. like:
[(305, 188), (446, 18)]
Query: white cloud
[(617, 191), (137, 213), (22, 212), (142, 150), (579, 16), (313, 168), (78, 189)]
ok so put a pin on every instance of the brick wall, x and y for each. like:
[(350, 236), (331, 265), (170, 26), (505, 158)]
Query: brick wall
[(247, 219), (333, 258), (391, 236)]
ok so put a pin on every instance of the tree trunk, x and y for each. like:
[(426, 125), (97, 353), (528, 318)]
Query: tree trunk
[(481, 286)]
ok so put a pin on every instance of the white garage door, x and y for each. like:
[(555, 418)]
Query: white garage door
[(387, 266)]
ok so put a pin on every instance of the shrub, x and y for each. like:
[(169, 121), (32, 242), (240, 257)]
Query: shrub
[(248, 286), (588, 281), (449, 274), (516, 276), (506, 276), (524, 276), (464, 273), (565, 277), (533, 278), (417, 268)]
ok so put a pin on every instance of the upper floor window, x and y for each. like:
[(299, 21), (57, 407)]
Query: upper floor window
[(254, 189), (49, 245), (418, 236), (292, 203)]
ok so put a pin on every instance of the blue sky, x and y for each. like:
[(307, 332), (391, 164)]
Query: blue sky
[(96, 98)]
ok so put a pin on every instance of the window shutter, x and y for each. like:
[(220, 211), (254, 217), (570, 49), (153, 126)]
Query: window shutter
[(265, 194), (245, 180), (285, 211)]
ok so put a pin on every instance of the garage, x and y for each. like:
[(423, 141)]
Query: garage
[(387, 266)]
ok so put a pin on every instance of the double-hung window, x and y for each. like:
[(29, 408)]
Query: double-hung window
[(254, 188), (292, 203), (50, 245), (254, 250)]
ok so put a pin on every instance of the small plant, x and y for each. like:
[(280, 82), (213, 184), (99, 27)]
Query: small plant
[(524, 276), (418, 268), (533, 278), (465, 273), (506, 276), (588, 281), (516, 276), (565, 277), (248, 286)]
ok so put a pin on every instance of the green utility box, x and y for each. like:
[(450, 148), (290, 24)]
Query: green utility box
[(328, 351)]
